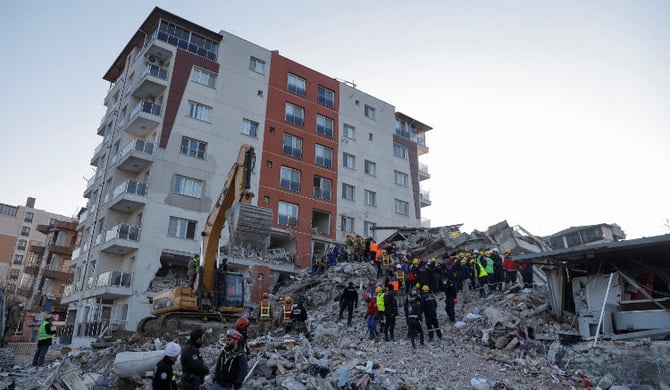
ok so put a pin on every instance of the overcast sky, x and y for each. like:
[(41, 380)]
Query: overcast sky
[(546, 114)]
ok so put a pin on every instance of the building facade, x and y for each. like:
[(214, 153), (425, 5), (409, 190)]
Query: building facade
[(331, 160)]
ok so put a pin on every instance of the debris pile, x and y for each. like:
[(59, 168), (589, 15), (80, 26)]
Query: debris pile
[(506, 340)]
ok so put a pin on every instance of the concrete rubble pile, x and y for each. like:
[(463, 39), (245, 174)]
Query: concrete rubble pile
[(503, 341)]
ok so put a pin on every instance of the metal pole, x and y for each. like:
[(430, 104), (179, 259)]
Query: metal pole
[(602, 310)]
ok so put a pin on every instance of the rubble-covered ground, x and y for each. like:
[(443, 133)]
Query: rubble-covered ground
[(503, 341)]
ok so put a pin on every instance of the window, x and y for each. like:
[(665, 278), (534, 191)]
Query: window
[(347, 224), (292, 145), (296, 84), (294, 114), (8, 210), (28, 217), (401, 178), (370, 198), (370, 137), (348, 132), (200, 112), (369, 112), (25, 231), (21, 245), (181, 228), (290, 179), (399, 151), (401, 207), (348, 160), (326, 97), (591, 235), (573, 239), (324, 125), (18, 259), (370, 168), (324, 156), (369, 229), (288, 214), (193, 148), (203, 77), (257, 65), (322, 188), (186, 186), (348, 191), (249, 128), (13, 273)]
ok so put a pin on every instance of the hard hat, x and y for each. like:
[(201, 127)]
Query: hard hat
[(495, 250), (506, 251), (242, 322), (172, 349), (287, 299), (265, 295), (232, 333), (472, 261), (378, 289), (475, 252), (425, 288), (415, 261), (398, 266), (418, 285), (463, 261)]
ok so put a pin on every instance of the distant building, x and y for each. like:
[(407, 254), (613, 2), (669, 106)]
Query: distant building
[(585, 235)]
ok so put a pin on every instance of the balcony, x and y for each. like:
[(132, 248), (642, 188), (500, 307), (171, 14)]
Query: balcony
[(110, 285), (152, 82), (135, 157), (59, 272), (157, 49), (99, 151), (128, 196), (91, 183), (421, 146), (24, 292), (120, 240), (424, 199), (36, 248), (143, 118), (61, 250), (423, 172), (32, 267)]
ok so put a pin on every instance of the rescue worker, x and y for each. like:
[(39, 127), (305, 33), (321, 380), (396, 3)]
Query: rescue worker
[(371, 314), (390, 313), (287, 310), (231, 366), (348, 301), (412, 278), (192, 366), (193, 270), (429, 303), (298, 318), (242, 326), (400, 274), (164, 377), (482, 275), (380, 307), (316, 256), (497, 270), (264, 314), (413, 316), (449, 284), (510, 266), (527, 274), (44, 335)]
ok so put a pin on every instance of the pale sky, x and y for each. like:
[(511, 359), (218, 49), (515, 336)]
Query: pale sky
[(548, 114)]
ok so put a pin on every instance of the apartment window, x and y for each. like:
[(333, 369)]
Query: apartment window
[(369, 112), (326, 97), (348, 191), (369, 229), (290, 179), (249, 127), (18, 259), (287, 214), (347, 224), (200, 112), (348, 132), (292, 145), (21, 245), (370, 198), (296, 84), (370, 168), (400, 151), (324, 125), (257, 65), (181, 228), (348, 160), (401, 178), (193, 148), (203, 77), (8, 210), (187, 186), (401, 207), (323, 156), (28, 217), (25, 231), (13, 273), (294, 114), (322, 188)]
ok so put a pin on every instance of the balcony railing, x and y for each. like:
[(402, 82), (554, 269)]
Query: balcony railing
[(128, 187), (155, 71), (124, 232), (146, 107), (138, 145), (115, 278)]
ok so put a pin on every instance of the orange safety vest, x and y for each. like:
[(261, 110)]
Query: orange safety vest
[(395, 285), (288, 309), (373, 249), (265, 308), (401, 276)]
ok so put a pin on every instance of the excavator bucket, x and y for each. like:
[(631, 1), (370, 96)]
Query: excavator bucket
[(249, 226)]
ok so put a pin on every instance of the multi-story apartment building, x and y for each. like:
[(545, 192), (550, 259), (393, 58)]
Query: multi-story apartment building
[(331, 160), (36, 246)]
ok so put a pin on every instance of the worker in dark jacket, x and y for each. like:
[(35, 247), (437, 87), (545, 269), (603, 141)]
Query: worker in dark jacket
[(164, 377), (193, 368), (390, 312), (231, 366), (348, 301), (44, 336)]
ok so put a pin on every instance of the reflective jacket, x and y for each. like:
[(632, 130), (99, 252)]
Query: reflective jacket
[(380, 302), (264, 309)]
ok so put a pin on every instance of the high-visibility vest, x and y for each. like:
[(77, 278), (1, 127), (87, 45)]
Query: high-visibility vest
[(265, 308), (401, 276), (386, 259), (42, 333), (489, 265), (288, 309), (395, 285), (373, 249), (380, 301), (482, 270)]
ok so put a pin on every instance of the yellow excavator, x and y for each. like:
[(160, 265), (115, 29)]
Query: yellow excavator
[(217, 293)]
